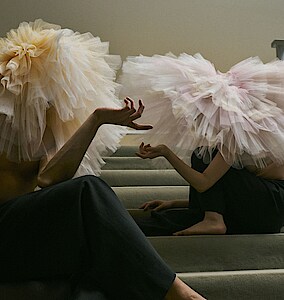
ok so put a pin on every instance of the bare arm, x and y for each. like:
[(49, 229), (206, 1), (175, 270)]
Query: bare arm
[(200, 181), (64, 164)]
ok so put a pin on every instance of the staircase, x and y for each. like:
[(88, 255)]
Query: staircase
[(236, 267)]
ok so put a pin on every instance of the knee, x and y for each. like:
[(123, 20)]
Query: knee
[(96, 192), (94, 185), (82, 184), (88, 179)]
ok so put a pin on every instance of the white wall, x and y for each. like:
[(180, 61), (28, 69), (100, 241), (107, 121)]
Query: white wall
[(223, 31)]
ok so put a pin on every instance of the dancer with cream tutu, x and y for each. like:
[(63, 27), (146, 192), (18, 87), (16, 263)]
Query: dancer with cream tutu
[(53, 78), (59, 111), (230, 125)]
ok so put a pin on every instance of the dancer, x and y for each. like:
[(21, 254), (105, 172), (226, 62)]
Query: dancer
[(67, 229), (230, 125), (51, 80)]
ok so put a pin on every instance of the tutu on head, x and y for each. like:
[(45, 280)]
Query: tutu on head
[(44, 68), (197, 107)]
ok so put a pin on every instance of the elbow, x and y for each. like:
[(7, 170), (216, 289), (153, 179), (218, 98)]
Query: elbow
[(43, 181), (202, 187)]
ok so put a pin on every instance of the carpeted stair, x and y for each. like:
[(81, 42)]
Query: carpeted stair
[(219, 267), (235, 267)]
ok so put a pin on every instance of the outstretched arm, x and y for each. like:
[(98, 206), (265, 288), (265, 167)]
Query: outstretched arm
[(64, 164), (200, 181)]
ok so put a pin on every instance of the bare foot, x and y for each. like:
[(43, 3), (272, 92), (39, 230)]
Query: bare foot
[(213, 223), (181, 291)]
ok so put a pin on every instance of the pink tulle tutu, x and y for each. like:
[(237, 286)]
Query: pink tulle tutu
[(55, 78), (194, 106)]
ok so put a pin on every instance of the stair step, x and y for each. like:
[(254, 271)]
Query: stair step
[(238, 285), (133, 197), (135, 163), (223, 267), (208, 253), (126, 150), (142, 178)]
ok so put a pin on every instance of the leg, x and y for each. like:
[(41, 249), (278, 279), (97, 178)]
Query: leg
[(242, 201), (166, 222), (122, 260), (80, 227), (255, 205), (213, 223), (211, 203)]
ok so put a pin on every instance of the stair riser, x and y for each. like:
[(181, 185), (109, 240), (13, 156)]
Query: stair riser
[(133, 197), (135, 163), (142, 178)]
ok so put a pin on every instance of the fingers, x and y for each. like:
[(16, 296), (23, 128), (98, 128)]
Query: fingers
[(145, 206), (140, 126), (134, 114), (159, 207), (129, 106), (141, 107), (146, 151), (150, 204), (143, 151), (143, 146), (128, 100), (138, 113)]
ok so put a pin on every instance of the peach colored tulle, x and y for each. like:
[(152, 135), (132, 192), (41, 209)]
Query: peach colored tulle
[(44, 68)]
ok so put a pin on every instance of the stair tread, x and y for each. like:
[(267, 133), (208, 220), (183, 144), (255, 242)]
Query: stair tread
[(221, 252), (249, 285), (223, 267)]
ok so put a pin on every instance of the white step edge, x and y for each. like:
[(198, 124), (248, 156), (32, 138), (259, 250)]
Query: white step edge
[(229, 273)]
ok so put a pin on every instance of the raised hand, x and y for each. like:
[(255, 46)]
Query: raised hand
[(124, 116), (147, 151)]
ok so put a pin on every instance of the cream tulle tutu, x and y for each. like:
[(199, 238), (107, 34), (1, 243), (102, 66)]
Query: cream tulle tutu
[(55, 78), (194, 106)]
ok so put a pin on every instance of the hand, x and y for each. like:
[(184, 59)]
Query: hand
[(157, 205), (124, 116), (147, 151)]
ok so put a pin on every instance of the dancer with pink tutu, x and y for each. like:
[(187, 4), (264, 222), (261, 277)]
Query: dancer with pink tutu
[(222, 132)]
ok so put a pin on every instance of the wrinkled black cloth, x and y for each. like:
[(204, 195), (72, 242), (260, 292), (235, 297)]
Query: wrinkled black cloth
[(248, 203), (79, 229)]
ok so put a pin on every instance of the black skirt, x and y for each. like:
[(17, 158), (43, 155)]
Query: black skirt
[(249, 205), (79, 229)]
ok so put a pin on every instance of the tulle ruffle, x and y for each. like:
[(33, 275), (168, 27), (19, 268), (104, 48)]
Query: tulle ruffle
[(194, 106), (55, 78)]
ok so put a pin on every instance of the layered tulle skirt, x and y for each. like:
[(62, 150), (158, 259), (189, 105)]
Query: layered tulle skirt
[(55, 78), (192, 105)]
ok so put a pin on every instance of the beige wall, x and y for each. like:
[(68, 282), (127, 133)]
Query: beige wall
[(223, 31)]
